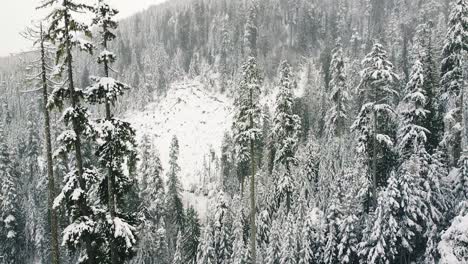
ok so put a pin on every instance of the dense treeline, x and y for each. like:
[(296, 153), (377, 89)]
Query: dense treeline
[(362, 156)]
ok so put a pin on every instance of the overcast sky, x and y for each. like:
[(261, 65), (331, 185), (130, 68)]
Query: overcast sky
[(15, 15)]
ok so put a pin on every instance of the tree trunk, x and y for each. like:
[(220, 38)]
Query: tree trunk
[(374, 161), (242, 186), (55, 255), (110, 177), (253, 228), (111, 193), (404, 54), (464, 122), (74, 101), (288, 192)]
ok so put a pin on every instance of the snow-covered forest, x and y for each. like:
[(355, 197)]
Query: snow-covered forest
[(237, 132)]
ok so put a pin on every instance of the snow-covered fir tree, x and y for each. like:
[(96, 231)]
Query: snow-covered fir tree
[(286, 129), (332, 157), (161, 248), (32, 176), (116, 142), (228, 167), (396, 223), (337, 115), (246, 126), (149, 171), (41, 77), (10, 232), (175, 216), (206, 253), (288, 241), (251, 30), (452, 247), (191, 238), (274, 247), (378, 245), (239, 247), (67, 33), (439, 201), (424, 49), (412, 135), (452, 80), (349, 239), (373, 123), (222, 230), (246, 130), (333, 220), (178, 251), (412, 139)]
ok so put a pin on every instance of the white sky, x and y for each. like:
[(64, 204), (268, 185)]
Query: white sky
[(16, 15)]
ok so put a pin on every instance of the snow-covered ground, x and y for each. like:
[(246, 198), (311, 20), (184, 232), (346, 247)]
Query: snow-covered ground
[(199, 118), (199, 202), (196, 116)]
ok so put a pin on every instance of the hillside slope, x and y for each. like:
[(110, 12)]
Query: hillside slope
[(196, 116)]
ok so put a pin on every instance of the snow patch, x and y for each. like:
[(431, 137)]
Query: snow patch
[(9, 219), (125, 231), (197, 117)]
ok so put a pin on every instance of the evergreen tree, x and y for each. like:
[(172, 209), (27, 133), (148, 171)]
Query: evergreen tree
[(310, 170), (239, 248), (274, 250), (191, 237), (225, 49), (31, 178), (439, 201), (40, 222), (373, 124), (412, 135), (286, 131), (461, 184), (331, 164), (152, 194), (174, 216), (332, 225), (206, 251), (251, 30), (10, 232), (247, 131), (452, 80), (55, 254), (397, 217), (116, 140), (349, 239), (150, 173), (378, 246), (161, 249), (288, 242), (263, 228), (337, 115), (452, 248), (222, 231), (228, 177), (412, 140), (307, 253), (66, 32), (178, 251), (424, 49)]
